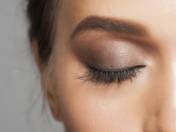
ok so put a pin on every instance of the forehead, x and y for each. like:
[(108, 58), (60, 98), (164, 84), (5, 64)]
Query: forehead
[(116, 7), (159, 16), (137, 10)]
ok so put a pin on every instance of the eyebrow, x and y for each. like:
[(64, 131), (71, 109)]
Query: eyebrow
[(110, 25)]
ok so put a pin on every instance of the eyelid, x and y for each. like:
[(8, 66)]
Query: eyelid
[(88, 39), (109, 53)]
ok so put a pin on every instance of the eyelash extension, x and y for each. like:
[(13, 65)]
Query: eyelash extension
[(107, 76)]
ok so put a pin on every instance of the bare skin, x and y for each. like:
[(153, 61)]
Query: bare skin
[(145, 102)]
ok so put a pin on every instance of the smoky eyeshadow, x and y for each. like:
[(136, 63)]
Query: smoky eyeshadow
[(104, 51)]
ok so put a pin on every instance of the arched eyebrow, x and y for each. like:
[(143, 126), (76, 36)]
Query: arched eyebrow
[(110, 25)]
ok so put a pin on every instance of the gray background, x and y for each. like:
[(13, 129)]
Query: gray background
[(20, 96)]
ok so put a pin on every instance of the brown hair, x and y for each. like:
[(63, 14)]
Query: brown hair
[(41, 15)]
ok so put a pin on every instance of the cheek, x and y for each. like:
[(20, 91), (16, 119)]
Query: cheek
[(87, 112)]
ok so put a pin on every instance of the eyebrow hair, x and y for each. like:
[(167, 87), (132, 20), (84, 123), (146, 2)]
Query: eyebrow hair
[(110, 25)]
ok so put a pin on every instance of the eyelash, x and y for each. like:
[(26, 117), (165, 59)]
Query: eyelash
[(108, 77)]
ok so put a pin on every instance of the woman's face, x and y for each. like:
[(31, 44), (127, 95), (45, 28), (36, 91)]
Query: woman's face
[(114, 66)]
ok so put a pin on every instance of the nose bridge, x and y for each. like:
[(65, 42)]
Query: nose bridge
[(167, 111)]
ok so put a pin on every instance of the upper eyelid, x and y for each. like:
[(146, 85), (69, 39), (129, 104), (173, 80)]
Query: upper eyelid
[(148, 45)]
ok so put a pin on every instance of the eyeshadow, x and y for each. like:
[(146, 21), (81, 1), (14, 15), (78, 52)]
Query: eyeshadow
[(103, 50)]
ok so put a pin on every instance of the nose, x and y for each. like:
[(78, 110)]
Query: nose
[(167, 111)]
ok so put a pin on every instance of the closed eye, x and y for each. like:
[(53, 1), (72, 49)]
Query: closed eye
[(110, 76)]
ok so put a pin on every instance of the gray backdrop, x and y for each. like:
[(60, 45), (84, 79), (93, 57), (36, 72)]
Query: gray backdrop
[(20, 96)]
